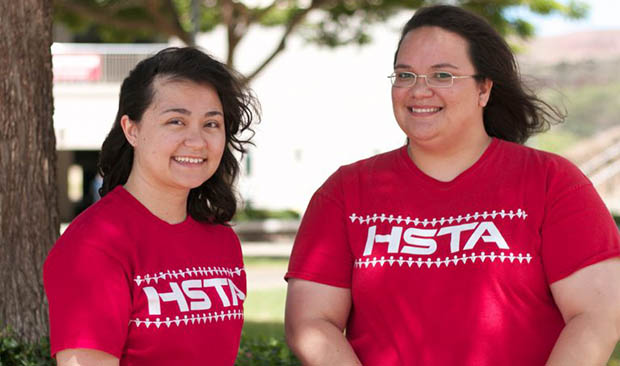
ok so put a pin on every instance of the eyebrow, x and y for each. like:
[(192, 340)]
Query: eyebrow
[(187, 112), (443, 65), (436, 66)]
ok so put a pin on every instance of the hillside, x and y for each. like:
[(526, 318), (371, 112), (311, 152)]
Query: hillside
[(571, 48), (573, 60), (579, 73)]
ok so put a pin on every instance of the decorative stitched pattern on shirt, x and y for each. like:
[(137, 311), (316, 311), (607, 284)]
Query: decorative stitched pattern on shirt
[(410, 261), (194, 272), (519, 213), (193, 319)]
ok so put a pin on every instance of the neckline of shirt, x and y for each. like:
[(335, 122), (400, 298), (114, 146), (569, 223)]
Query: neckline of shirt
[(463, 176), (144, 212)]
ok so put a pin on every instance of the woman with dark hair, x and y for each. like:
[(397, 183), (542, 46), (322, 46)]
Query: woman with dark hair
[(152, 274), (462, 247)]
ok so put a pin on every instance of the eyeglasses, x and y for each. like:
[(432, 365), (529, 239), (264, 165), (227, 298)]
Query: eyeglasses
[(439, 79)]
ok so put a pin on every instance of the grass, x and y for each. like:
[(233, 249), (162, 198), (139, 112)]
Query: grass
[(265, 305), (263, 330), (265, 262), (264, 308), (614, 360)]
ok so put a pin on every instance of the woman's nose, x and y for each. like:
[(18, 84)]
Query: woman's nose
[(194, 138), (421, 89)]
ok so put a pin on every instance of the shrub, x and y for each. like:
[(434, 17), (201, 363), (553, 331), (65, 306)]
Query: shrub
[(265, 351), (249, 213), (254, 351), (14, 352)]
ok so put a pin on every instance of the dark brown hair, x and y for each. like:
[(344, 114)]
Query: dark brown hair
[(214, 201)]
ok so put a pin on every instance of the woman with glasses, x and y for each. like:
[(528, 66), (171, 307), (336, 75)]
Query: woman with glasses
[(462, 247), (152, 274)]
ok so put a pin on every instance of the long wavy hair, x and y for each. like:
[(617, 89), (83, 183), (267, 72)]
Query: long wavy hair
[(215, 200), (513, 112)]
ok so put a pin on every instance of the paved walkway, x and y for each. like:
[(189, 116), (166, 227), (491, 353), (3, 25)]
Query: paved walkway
[(265, 278), (266, 249), (262, 278)]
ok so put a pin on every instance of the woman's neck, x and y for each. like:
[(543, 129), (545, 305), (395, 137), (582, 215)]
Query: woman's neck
[(445, 163), (169, 206)]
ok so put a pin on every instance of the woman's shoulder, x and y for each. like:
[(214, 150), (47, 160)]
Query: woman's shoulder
[(221, 230), (378, 161), (221, 233), (220, 238), (535, 155), (99, 226), (554, 168), (353, 172), (350, 176)]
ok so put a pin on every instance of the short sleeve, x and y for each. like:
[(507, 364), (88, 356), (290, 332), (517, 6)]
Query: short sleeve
[(577, 231), (321, 252), (89, 300)]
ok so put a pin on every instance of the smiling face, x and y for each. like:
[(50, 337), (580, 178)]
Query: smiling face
[(179, 142), (439, 117)]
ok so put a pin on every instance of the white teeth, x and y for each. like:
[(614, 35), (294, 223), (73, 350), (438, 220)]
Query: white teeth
[(424, 110), (183, 159)]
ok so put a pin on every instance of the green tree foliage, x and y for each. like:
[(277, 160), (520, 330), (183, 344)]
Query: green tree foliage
[(327, 22)]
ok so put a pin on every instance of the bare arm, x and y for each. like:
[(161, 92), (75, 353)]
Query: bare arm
[(85, 357), (589, 301), (315, 318)]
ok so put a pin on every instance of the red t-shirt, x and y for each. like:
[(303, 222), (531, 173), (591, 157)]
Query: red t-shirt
[(122, 281), (453, 273)]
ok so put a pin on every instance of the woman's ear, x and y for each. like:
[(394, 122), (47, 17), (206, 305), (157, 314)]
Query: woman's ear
[(130, 129), (485, 87)]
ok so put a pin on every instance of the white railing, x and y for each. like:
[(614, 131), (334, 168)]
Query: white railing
[(601, 159)]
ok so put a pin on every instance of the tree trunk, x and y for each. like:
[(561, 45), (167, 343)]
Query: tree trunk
[(28, 199)]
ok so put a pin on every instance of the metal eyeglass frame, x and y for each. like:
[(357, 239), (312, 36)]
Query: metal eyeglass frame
[(392, 78)]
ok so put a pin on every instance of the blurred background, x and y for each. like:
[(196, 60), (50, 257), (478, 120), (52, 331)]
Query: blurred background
[(325, 106), (325, 98)]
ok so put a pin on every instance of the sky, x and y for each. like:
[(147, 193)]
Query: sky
[(603, 15)]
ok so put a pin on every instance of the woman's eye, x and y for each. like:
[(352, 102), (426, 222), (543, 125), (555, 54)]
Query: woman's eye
[(175, 122), (404, 75), (442, 75), (212, 124)]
